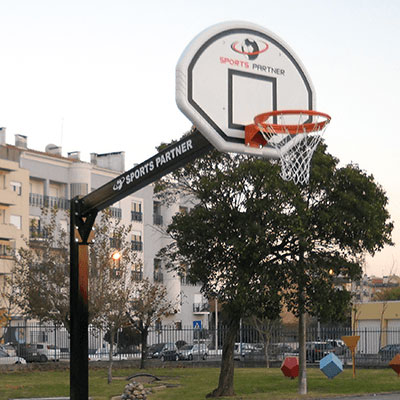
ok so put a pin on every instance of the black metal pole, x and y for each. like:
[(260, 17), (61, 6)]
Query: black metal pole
[(79, 364), (83, 214)]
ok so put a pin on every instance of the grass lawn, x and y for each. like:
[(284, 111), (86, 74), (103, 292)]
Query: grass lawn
[(195, 383)]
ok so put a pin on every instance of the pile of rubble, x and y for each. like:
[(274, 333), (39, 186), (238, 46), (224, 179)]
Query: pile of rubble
[(134, 391)]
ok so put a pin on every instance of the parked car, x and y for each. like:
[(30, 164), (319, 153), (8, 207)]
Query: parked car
[(386, 353), (163, 351), (9, 348), (338, 345), (6, 359), (192, 351), (316, 351), (41, 352), (243, 349), (277, 351)]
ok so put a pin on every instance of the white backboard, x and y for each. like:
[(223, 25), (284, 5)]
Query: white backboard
[(232, 72)]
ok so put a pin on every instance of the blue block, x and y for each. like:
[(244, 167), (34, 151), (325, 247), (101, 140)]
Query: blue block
[(330, 365)]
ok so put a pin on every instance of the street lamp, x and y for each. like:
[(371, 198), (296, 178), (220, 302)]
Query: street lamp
[(116, 256)]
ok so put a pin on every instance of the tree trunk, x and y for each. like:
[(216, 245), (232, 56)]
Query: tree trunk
[(225, 384), (110, 356), (266, 348), (143, 342), (302, 354)]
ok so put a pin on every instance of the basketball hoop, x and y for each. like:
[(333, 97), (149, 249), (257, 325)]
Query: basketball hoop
[(294, 134)]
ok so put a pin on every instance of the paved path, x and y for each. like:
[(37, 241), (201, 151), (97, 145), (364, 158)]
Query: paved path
[(373, 396)]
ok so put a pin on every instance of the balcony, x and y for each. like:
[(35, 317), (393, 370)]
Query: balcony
[(137, 275), (136, 245), (136, 216), (201, 308), (157, 219), (39, 200), (8, 197), (185, 282), (36, 233), (7, 249), (9, 231)]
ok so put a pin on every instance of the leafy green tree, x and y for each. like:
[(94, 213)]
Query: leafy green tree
[(389, 294), (254, 240)]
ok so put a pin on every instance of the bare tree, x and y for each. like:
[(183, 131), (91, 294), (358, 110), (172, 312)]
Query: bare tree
[(40, 284), (148, 305), (111, 260), (265, 327)]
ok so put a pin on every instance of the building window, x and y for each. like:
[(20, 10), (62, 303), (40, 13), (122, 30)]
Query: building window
[(7, 248), (115, 243), (136, 213), (157, 217), (116, 212), (16, 220), (178, 325), (158, 275), (158, 325), (64, 225), (136, 242), (136, 274), (36, 231), (16, 187)]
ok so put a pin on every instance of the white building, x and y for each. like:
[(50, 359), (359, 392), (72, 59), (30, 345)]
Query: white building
[(54, 179)]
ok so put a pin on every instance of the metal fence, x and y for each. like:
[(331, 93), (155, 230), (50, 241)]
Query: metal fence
[(375, 347)]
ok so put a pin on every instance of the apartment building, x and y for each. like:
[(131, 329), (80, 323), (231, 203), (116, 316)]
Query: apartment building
[(32, 179), (14, 217)]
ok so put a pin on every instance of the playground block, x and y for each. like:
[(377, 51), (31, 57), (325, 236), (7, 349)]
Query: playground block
[(330, 365), (290, 367)]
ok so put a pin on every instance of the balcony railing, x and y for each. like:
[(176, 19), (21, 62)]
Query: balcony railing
[(37, 233), (185, 282), (157, 219), (136, 216), (137, 275), (39, 200), (7, 250), (137, 245), (116, 212), (201, 307)]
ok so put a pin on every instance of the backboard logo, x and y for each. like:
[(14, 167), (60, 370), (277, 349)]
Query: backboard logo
[(118, 185), (249, 48)]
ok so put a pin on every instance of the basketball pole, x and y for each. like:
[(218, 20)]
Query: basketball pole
[(83, 212)]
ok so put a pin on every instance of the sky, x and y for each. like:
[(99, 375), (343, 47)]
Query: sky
[(98, 76)]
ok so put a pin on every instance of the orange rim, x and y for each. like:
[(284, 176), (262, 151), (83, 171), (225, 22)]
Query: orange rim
[(261, 121)]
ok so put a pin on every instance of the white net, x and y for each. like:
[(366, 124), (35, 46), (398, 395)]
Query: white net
[(295, 149)]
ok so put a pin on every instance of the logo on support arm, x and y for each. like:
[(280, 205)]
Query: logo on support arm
[(118, 185), (158, 162)]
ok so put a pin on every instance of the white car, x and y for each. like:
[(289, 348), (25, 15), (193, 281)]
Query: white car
[(103, 355), (193, 351), (47, 351), (6, 359)]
